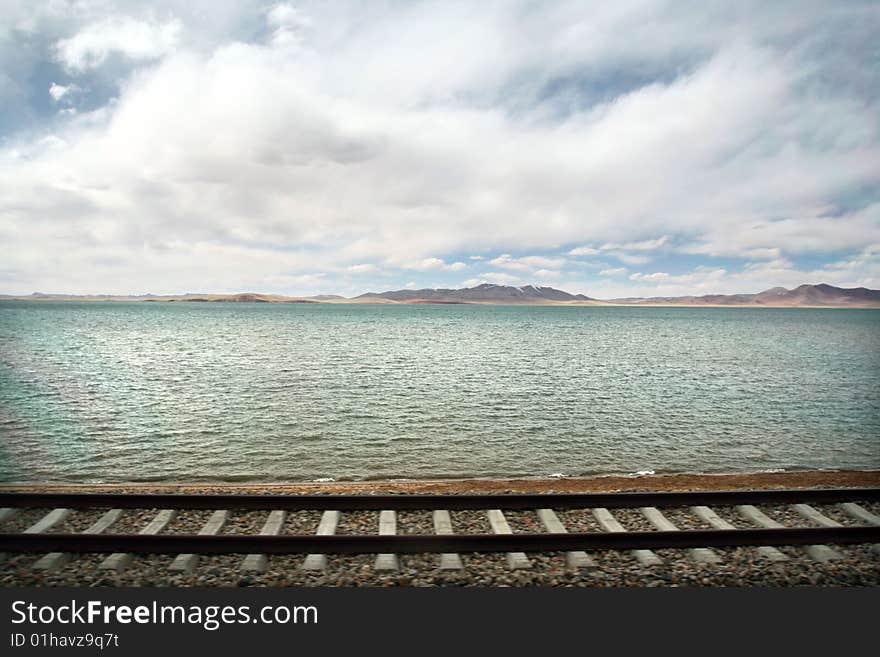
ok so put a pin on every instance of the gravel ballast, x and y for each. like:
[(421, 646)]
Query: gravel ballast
[(860, 565)]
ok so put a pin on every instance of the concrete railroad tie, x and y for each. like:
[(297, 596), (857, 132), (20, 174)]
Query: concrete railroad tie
[(575, 559), (861, 513), (515, 560), (186, 563), (119, 561), (327, 527), (257, 563), (816, 552), (44, 524), (443, 527), (610, 524), (708, 515), (55, 560), (48, 521), (813, 515), (661, 522), (387, 527)]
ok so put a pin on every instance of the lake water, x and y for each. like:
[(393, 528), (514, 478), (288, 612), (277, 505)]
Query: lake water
[(93, 392)]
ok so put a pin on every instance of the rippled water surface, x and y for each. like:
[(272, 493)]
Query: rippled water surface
[(215, 391)]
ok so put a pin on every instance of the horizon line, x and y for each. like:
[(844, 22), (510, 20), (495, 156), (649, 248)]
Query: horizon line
[(406, 289)]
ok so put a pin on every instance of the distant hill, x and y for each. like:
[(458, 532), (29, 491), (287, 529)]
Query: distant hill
[(243, 297), (485, 293), (804, 295)]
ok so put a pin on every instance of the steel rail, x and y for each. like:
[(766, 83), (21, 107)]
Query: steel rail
[(287, 544), (430, 502)]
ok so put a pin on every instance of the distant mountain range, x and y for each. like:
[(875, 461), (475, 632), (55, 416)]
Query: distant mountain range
[(485, 293), (804, 295), (821, 295)]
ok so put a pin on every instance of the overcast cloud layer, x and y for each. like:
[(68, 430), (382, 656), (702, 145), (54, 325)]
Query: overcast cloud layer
[(625, 148)]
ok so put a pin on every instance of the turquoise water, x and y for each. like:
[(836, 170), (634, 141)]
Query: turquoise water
[(115, 391)]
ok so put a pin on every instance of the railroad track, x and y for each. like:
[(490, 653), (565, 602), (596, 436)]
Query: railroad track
[(853, 521)]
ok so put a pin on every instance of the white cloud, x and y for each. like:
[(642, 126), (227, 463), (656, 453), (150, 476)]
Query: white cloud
[(656, 276), (496, 277), (507, 261), (59, 91), (365, 268), (411, 135), (644, 245), (621, 250), (617, 271), (288, 16), (813, 230), (629, 258), (435, 264), (289, 25), (526, 263), (52, 142), (583, 250), (135, 39)]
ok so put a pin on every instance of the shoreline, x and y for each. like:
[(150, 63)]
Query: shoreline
[(597, 484)]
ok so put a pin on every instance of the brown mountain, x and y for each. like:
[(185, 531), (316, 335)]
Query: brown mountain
[(804, 295), (485, 293)]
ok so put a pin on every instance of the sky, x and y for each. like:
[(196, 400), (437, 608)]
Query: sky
[(625, 148)]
